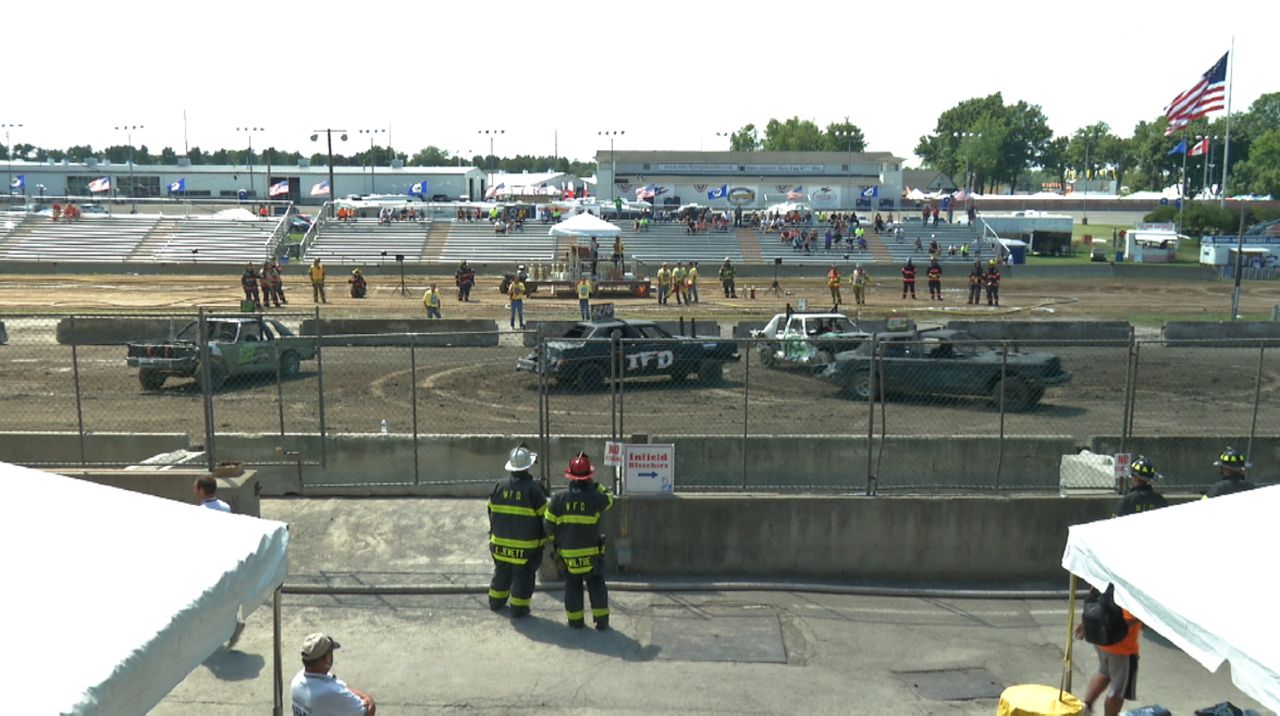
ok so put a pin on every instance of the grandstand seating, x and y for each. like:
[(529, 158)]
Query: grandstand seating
[(92, 238), (895, 251), (477, 242), (203, 240), (671, 243), (368, 242)]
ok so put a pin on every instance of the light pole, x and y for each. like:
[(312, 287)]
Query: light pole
[(728, 136), (613, 164), (328, 133), (9, 155), (1085, 196), (133, 190), (372, 162), (847, 135), (491, 133), (458, 155), (250, 131)]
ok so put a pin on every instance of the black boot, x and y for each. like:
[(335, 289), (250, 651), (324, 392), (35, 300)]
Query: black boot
[(602, 623), (496, 604), (576, 623), (519, 612)]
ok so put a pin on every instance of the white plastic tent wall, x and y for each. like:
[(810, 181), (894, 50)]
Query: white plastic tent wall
[(1202, 574), (585, 224), (112, 597)]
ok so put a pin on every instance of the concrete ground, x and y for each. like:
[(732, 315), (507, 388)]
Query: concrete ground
[(669, 652)]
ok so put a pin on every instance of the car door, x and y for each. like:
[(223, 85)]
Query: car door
[(653, 352), (795, 339)]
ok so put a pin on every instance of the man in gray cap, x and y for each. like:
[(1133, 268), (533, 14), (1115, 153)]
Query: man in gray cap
[(316, 692), (516, 507)]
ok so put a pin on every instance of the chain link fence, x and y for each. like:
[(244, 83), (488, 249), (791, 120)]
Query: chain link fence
[(934, 410)]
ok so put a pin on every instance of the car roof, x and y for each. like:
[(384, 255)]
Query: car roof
[(616, 322), (814, 315)]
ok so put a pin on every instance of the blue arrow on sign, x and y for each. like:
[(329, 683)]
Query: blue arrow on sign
[(647, 474)]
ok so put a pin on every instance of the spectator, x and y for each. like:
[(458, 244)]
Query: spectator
[(1117, 673), (316, 274), (206, 489), (431, 300), (358, 285), (516, 293), (316, 692), (618, 252)]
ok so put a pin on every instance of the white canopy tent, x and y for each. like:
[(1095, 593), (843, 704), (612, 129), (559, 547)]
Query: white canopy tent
[(113, 597), (1201, 574), (585, 224)]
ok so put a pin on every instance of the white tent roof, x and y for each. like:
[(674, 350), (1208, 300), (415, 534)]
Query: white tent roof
[(585, 224), (113, 597), (1202, 575)]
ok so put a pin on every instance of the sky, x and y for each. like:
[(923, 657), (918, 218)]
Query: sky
[(670, 76)]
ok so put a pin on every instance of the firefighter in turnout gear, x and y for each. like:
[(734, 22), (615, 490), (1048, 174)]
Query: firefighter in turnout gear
[(909, 279), (934, 274), (727, 274), (516, 508), (975, 284), (249, 282), (1233, 467), (1142, 496), (573, 523), (992, 281)]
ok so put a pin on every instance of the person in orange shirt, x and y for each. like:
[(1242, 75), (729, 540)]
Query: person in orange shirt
[(1117, 669)]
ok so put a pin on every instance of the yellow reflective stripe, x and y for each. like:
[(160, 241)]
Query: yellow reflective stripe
[(510, 560), (513, 510), (552, 518), (574, 616), (518, 602), (580, 552), (594, 612), (516, 543), (580, 519), (495, 594)]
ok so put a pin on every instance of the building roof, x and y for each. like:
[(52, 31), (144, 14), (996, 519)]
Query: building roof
[(103, 167), (605, 155)]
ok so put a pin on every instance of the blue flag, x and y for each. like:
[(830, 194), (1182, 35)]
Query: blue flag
[(871, 192), (719, 192), (177, 187), (418, 189), (1180, 149), (18, 183)]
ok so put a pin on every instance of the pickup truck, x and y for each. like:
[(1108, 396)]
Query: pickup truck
[(238, 346), (581, 356)]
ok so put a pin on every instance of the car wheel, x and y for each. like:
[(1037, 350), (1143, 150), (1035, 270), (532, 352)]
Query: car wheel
[(217, 376), (591, 377), (864, 386), (290, 364), (150, 379), (826, 357), (1019, 393), (768, 357), (711, 372)]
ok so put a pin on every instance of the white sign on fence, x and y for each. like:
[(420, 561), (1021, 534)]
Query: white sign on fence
[(649, 469), (1122, 465), (612, 453)]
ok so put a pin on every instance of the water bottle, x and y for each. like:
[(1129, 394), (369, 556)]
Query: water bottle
[(383, 426)]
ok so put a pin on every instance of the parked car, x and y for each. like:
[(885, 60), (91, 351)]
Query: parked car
[(581, 356), (945, 363), (93, 209), (238, 346), (806, 339)]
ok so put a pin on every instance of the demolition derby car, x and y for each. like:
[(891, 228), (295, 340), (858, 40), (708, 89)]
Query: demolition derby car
[(947, 363), (806, 339), (582, 356), (238, 346)]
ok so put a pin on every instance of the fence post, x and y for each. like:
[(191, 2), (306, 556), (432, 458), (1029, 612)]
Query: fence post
[(873, 379), (206, 389), (1126, 413), (544, 412), (320, 387), (746, 404), (413, 399), (1004, 376), (279, 385), (1257, 394), (75, 367)]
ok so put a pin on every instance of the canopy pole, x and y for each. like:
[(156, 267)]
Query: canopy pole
[(1065, 684), (278, 683)]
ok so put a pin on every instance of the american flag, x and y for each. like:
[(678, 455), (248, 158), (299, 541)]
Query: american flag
[(1207, 95), (1200, 147), (280, 187), (797, 194), (320, 188), (100, 185)]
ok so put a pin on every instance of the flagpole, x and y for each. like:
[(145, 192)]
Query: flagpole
[(1182, 189), (1226, 145)]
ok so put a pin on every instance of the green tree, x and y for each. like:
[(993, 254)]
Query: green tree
[(793, 135), (168, 156), (1260, 173), (986, 140), (844, 137), (432, 157), (1054, 160), (746, 139)]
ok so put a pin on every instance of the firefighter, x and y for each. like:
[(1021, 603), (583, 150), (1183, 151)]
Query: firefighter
[(277, 283), (572, 522), (677, 282), (1232, 467), (934, 275), (909, 279), (516, 508), (975, 284), (316, 274), (727, 275), (664, 284), (992, 282), (249, 282), (858, 280), (833, 284), (464, 278), (358, 285), (1142, 495), (264, 285), (691, 281)]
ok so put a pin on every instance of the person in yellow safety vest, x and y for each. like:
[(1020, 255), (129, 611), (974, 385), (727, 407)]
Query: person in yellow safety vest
[(316, 272), (584, 298), (572, 521), (677, 282), (833, 283), (431, 299), (517, 506), (516, 294), (664, 284), (619, 251), (858, 280), (692, 282)]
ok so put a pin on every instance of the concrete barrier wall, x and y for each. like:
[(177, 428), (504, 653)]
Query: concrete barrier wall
[(977, 539), (240, 492), (1229, 334), (1046, 330), (369, 332), (95, 331), (840, 462), (64, 447), (1187, 462)]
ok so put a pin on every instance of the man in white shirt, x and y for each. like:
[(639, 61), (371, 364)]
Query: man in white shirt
[(207, 493), (316, 692)]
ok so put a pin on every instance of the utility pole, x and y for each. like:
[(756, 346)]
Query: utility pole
[(328, 133)]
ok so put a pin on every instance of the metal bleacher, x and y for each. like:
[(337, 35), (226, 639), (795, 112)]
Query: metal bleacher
[(368, 242), (884, 247), (204, 240), (671, 242), (90, 239), (477, 242)]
